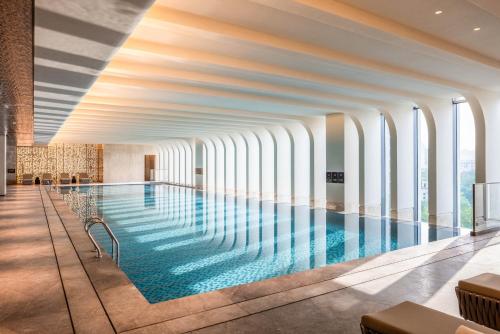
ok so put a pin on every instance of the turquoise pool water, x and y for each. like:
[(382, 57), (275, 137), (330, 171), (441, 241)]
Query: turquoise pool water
[(177, 241)]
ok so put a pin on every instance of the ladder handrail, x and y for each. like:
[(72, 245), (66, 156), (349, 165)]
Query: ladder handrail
[(115, 244)]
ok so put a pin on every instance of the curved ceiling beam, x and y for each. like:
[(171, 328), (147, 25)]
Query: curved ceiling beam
[(137, 47), (125, 112), (202, 109), (160, 14), (392, 27), (188, 89), (85, 114), (141, 70)]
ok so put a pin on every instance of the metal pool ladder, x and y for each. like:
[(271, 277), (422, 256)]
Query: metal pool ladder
[(115, 245)]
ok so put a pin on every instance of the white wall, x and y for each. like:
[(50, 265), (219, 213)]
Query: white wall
[(438, 114), (335, 144), (199, 148), (125, 163), (351, 166), (401, 118), (370, 197)]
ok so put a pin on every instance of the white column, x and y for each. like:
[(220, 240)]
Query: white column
[(440, 170), (486, 109), (182, 163), (199, 161), (283, 164), (3, 164), (317, 128), (210, 165), (370, 123), (301, 164), (230, 164), (267, 170), (335, 139), (241, 164), (171, 169), (352, 139), (220, 165), (400, 121), (253, 164)]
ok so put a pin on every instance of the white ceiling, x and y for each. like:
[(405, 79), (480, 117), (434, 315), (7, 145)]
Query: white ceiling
[(199, 67)]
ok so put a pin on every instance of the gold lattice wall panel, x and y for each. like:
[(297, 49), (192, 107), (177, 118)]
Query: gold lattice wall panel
[(60, 158)]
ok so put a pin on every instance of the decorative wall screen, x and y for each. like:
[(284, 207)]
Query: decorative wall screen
[(60, 158)]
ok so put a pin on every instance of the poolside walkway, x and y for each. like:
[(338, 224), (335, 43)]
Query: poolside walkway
[(50, 282)]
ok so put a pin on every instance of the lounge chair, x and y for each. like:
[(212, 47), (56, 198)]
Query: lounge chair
[(479, 299), (411, 318), (27, 179), (64, 178), (47, 178), (83, 178)]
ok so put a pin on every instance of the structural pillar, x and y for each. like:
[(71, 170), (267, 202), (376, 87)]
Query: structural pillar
[(486, 109), (371, 201), (438, 114), (400, 121)]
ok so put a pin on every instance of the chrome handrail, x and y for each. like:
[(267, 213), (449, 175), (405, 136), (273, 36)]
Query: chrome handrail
[(115, 245)]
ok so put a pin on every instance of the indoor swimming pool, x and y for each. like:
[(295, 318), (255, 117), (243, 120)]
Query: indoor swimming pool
[(177, 241)]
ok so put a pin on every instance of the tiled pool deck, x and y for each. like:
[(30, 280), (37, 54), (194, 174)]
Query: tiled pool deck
[(51, 282)]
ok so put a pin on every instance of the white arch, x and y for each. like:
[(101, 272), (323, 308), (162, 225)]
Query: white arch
[(187, 171), (316, 129), (354, 164), (164, 164), (283, 164), (302, 168), (267, 170), (253, 164), (182, 162), (158, 161), (171, 172), (220, 165), (210, 165), (230, 164), (400, 120), (480, 133), (177, 158), (370, 164), (432, 163), (189, 163), (241, 164)]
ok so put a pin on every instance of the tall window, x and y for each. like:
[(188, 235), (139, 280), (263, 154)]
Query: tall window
[(465, 162), (386, 166), (421, 160)]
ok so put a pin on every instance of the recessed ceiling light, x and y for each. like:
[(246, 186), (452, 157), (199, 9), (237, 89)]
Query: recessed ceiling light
[(477, 28), (438, 12)]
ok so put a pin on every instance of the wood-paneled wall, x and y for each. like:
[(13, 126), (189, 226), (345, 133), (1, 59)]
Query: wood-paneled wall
[(60, 158)]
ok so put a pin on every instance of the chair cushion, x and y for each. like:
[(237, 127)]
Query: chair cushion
[(466, 330), (409, 317), (485, 284)]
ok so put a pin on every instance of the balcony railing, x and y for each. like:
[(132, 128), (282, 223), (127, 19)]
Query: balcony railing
[(486, 208)]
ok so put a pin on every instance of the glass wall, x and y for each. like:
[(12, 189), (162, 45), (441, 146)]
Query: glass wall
[(421, 156), (465, 162), (386, 167)]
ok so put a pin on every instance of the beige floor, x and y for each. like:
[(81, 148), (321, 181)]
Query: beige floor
[(51, 283), (31, 295)]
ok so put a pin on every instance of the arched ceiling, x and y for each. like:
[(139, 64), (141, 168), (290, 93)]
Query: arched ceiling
[(195, 67)]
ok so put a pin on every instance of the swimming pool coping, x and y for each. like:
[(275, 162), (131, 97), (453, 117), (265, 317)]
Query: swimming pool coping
[(128, 310)]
